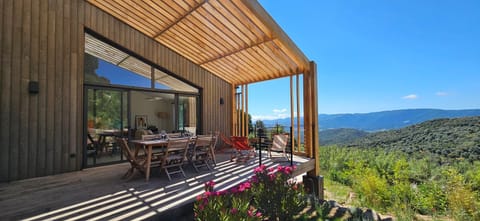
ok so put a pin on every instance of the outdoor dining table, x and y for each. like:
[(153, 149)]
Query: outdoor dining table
[(148, 144)]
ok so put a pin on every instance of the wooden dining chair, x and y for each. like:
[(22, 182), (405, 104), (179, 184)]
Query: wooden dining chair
[(136, 162), (213, 146), (174, 156), (92, 146), (202, 153)]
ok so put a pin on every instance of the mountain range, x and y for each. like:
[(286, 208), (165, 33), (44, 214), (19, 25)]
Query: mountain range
[(380, 121)]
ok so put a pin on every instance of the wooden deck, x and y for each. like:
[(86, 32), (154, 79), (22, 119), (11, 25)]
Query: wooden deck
[(100, 193)]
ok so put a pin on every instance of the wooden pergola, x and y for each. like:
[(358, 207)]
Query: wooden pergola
[(236, 40)]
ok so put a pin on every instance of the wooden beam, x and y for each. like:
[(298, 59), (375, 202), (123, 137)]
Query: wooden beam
[(180, 19), (238, 50), (304, 167), (266, 23), (284, 73)]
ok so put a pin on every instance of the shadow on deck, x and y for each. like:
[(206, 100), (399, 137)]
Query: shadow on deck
[(100, 193)]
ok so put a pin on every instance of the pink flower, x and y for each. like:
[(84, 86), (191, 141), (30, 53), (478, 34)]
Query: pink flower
[(259, 214), (241, 189), (280, 168), (209, 185), (272, 176), (199, 197), (244, 186), (288, 170), (250, 213), (234, 211), (271, 170), (259, 169), (208, 194)]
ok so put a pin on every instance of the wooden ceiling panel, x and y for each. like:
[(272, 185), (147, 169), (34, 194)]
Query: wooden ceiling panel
[(230, 23), (254, 63), (214, 31), (259, 63), (137, 8), (121, 13), (221, 71), (177, 44), (234, 39), (235, 12), (217, 45), (274, 57)]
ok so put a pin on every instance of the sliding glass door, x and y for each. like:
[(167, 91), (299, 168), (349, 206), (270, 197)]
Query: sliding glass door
[(106, 116)]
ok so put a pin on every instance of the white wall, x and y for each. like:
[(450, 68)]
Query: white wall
[(140, 105)]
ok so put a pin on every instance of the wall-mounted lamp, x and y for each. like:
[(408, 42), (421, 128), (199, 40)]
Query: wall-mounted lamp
[(33, 87), (221, 101)]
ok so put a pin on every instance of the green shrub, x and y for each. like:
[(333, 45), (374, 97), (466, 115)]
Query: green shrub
[(406, 184), (462, 201), (430, 198), (270, 193)]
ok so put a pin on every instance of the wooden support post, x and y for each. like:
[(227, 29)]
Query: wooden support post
[(292, 137), (307, 110), (234, 110), (298, 113), (314, 118), (246, 110)]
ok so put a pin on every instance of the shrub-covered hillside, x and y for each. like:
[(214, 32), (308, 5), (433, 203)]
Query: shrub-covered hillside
[(451, 138), (340, 136)]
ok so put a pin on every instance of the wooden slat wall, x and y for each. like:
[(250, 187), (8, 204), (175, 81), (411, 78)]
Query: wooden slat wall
[(41, 134)]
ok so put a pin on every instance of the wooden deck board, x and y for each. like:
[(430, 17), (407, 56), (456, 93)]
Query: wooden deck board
[(100, 193)]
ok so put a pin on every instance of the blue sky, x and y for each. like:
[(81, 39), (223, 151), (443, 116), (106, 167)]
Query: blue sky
[(375, 55)]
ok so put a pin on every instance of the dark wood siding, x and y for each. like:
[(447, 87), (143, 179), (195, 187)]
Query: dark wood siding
[(43, 41)]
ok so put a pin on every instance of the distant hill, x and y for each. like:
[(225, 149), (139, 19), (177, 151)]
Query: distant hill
[(340, 136), (387, 120), (384, 120), (452, 138)]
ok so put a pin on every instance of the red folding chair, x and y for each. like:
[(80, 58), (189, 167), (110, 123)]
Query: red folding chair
[(243, 151)]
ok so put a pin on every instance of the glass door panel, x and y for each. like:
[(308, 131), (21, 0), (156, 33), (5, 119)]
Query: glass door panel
[(187, 114), (106, 119)]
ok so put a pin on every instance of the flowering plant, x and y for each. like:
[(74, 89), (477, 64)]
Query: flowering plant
[(270, 193)]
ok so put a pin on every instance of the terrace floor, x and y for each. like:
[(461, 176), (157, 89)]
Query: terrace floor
[(100, 193)]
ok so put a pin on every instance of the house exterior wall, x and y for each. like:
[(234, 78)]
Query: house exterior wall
[(43, 41)]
